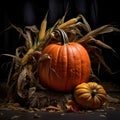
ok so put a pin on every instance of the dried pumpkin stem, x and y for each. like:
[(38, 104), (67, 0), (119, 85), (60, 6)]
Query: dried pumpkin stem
[(93, 92), (63, 35)]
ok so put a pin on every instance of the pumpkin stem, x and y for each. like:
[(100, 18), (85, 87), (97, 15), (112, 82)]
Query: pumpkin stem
[(93, 92), (63, 35)]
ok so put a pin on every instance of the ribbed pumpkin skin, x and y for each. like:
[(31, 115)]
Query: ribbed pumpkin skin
[(90, 95), (69, 66)]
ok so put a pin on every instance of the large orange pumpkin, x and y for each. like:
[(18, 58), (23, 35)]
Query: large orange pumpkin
[(69, 65)]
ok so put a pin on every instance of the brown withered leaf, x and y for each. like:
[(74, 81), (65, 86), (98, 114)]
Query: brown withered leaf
[(101, 60), (111, 99), (26, 34), (100, 30), (86, 23), (101, 44), (32, 28), (43, 99), (97, 57), (72, 106), (51, 108), (25, 78), (78, 25), (22, 82)]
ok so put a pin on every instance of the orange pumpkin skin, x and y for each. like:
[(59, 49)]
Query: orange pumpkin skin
[(69, 66), (90, 95)]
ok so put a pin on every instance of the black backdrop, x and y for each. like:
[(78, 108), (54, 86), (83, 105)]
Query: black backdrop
[(29, 12)]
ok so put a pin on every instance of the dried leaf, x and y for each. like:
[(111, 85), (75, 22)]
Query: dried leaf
[(53, 108), (72, 106), (100, 43), (17, 59), (20, 51), (101, 60), (111, 99), (78, 25), (44, 57), (22, 82), (101, 30), (32, 28), (97, 57), (15, 117), (26, 77), (32, 91), (37, 115), (103, 45), (86, 23), (94, 77), (26, 36), (29, 42)]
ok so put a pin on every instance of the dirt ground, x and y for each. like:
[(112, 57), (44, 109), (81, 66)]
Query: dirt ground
[(110, 111)]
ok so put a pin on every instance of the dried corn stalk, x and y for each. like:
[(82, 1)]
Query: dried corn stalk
[(23, 79)]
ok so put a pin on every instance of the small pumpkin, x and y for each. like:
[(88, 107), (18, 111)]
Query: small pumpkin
[(90, 95), (68, 66)]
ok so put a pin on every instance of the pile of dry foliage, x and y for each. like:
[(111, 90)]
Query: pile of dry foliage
[(23, 85)]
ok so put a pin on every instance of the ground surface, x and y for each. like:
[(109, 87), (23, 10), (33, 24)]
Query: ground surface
[(89, 115), (111, 111)]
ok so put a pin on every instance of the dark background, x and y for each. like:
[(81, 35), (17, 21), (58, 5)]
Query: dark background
[(31, 12)]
